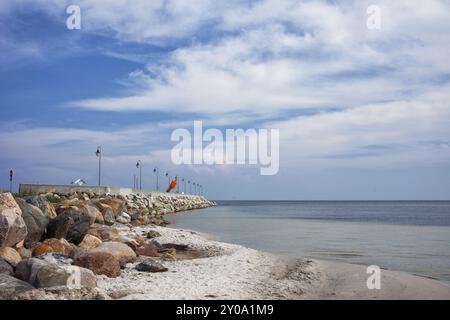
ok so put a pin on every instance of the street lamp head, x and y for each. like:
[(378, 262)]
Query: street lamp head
[(98, 152), (167, 174), (138, 163), (155, 169)]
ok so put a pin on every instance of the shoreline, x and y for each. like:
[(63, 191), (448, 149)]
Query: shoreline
[(102, 247), (231, 271)]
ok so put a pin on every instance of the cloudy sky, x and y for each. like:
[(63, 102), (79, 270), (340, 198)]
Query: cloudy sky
[(362, 114)]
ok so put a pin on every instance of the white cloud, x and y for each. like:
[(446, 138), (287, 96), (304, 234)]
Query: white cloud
[(398, 134), (288, 55)]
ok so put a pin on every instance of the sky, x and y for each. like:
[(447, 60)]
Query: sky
[(363, 114)]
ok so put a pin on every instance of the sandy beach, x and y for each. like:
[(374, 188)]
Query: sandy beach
[(227, 271)]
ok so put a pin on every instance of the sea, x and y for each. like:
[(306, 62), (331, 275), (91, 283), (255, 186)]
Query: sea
[(411, 236)]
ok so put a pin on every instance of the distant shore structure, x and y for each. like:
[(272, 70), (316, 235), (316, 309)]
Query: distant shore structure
[(72, 188)]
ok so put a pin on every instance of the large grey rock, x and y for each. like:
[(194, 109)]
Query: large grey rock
[(10, 286), (43, 204), (43, 274), (12, 226), (35, 220), (5, 267), (70, 224)]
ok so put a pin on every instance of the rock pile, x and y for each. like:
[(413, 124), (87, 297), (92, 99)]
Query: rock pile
[(63, 241)]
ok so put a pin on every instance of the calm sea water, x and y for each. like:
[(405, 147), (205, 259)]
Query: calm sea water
[(412, 236)]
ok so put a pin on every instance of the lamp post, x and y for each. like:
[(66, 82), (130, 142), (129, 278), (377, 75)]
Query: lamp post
[(200, 190), (168, 178), (190, 186), (139, 165), (155, 170), (98, 153), (178, 185), (11, 173), (184, 180)]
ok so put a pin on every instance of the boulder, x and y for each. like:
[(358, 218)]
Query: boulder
[(87, 208), (124, 218), (5, 267), (13, 229), (35, 221), (41, 249), (105, 233), (10, 286), (53, 245), (89, 242), (7, 201), (148, 250), (119, 250), (117, 205), (10, 255), (26, 270), (61, 246), (106, 212), (100, 263), (43, 204), (90, 211), (150, 266), (51, 275), (42, 274), (69, 224)]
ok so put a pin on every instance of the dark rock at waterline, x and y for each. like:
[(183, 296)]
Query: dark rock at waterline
[(180, 247), (150, 265)]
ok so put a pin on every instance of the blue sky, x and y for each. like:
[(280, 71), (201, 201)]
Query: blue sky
[(362, 114)]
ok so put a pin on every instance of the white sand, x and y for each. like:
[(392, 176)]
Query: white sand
[(235, 272)]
